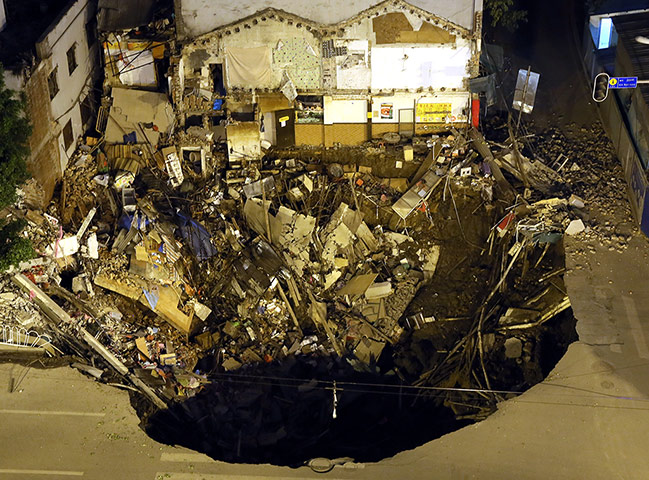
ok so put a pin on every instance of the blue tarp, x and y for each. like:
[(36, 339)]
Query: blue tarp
[(197, 237), (126, 219), (130, 137), (152, 297)]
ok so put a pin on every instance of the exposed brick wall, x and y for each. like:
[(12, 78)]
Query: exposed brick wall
[(44, 167), (309, 134), (380, 129), (345, 133), (44, 163), (327, 135)]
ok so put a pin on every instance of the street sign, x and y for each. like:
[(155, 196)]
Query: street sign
[(623, 82), (526, 85)]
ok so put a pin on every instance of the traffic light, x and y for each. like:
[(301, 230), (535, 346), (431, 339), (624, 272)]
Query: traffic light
[(600, 87)]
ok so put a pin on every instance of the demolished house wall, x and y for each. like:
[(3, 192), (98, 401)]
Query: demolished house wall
[(256, 55), (75, 80), (201, 16), (43, 163), (50, 115), (131, 62), (344, 68)]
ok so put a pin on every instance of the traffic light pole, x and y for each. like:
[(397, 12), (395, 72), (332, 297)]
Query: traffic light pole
[(601, 87)]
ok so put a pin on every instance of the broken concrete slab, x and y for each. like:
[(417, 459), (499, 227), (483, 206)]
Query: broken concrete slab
[(513, 348), (131, 108), (378, 290), (166, 306), (575, 227), (575, 201), (64, 248)]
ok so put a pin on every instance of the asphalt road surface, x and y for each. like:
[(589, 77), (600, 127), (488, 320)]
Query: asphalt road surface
[(588, 419)]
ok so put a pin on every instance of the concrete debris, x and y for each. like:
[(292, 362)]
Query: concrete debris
[(575, 227), (576, 201), (513, 348), (176, 237)]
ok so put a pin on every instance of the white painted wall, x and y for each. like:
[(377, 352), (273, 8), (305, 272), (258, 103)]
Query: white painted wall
[(414, 67), (344, 111), (359, 76), (268, 34), (399, 101), (202, 16), (458, 100), (70, 30)]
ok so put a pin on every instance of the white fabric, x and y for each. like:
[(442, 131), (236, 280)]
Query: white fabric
[(137, 68), (248, 67)]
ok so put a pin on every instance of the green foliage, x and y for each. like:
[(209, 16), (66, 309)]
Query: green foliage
[(503, 13), (14, 248), (15, 130)]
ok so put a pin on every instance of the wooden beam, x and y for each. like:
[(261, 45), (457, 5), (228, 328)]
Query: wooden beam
[(482, 148)]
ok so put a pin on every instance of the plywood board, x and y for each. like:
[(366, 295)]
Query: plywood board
[(358, 284), (166, 308)]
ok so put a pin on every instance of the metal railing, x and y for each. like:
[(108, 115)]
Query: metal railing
[(21, 337)]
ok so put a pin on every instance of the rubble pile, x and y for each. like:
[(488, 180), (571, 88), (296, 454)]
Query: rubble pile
[(16, 309), (593, 173), (174, 261)]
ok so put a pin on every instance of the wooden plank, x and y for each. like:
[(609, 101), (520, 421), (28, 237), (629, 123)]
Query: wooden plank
[(482, 148), (427, 163), (166, 308), (130, 291)]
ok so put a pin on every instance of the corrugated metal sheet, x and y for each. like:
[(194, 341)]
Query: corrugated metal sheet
[(613, 6), (115, 15)]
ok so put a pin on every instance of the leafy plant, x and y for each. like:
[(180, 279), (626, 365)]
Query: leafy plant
[(14, 248), (15, 131), (503, 13)]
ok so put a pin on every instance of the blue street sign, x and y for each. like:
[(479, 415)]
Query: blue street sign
[(623, 82)]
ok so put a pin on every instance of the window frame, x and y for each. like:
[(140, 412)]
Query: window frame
[(68, 139), (72, 66), (53, 82)]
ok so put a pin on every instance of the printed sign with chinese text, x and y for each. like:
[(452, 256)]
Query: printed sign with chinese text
[(433, 112)]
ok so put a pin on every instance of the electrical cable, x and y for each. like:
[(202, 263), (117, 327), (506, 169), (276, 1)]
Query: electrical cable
[(284, 382)]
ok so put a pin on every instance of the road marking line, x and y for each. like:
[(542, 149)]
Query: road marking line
[(220, 476), (185, 457), (52, 412), (42, 472), (636, 327)]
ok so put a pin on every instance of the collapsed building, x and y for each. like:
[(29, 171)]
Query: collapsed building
[(307, 189), (286, 80), (53, 58)]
